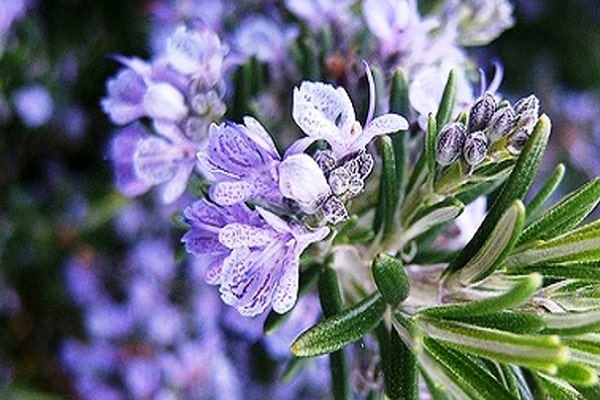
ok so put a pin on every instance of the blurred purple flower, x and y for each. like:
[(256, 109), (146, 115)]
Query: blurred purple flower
[(33, 104)]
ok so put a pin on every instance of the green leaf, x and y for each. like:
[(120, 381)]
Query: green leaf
[(390, 279), (509, 321), (389, 192), (430, 137), (534, 207), (555, 389), (429, 217), (331, 303), (572, 323), (565, 215), (577, 374), (399, 365), (336, 332), (448, 101), (515, 188), (474, 381), (587, 271), (578, 246), (495, 249), (541, 352), (585, 350), (522, 291)]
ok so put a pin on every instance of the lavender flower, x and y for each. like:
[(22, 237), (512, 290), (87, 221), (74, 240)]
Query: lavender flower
[(242, 162), (33, 104), (181, 92), (254, 261), (325, 112), (318, 13)]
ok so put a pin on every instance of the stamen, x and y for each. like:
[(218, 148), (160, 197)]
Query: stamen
[(369, 74)]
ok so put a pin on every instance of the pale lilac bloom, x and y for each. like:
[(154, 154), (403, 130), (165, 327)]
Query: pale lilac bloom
[(325, 112), (206, 220), (478, 22), (263, 38), (263, 266), (302, 180), (197, 52), (241, 161), (33, 104), (318, 13)]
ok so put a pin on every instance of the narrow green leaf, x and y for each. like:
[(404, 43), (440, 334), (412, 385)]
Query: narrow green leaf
[(585, 351), (509, 321), (448, 101), (475, 381), (515, 188), (336, 332), (541, 352), (572, 323), (565, 215), (389, 192), (430, 138), (495, 249), (578, 246), (399, 102), (577, 374), (431, 216), (331, 302), (522, 291), (390, 279), (534, 206), (555, 389), (399, 365), (437, 389), (587, 271)]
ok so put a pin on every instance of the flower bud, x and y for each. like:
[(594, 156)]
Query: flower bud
[(502, 122), (334, 210), (517, 141), (527, 110), (449, 143), (339, 181), (481, 112), (475, 148)]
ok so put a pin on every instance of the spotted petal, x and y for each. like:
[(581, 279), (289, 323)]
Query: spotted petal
[(286, 291), (241, 235), (154, 160), (387, 123)]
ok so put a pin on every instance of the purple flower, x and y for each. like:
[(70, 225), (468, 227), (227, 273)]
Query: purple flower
[(317, 13), (242, 162), (326, 112), (263, 266), (254, 260), (33, 104), (124, 102), (142, 161), (196, 52), (206, 219)]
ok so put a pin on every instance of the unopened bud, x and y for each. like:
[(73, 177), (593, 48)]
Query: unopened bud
[(325, 160), (502, 122), (334, 210), (517, 141), (339, 181), (527, 110), (449, 143), (481, 112), (475, 148)]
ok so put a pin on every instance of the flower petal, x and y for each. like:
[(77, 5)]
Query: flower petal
[(154, 160), (175, 187), (333, 103), (258, 134), (236, 235), (387, 123), (286, 291), (301, 180), (227, 193)]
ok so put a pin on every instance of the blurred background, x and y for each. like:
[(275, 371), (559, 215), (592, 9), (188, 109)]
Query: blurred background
[(69, 242)]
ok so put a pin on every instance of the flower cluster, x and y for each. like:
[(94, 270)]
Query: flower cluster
[(253, 251), (180, 93), (490, 125)]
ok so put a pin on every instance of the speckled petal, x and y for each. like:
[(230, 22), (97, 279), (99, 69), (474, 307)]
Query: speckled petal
[(286, 291), (240, 235), (227, 193)]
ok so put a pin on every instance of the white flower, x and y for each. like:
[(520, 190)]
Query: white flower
[(325, 112)]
